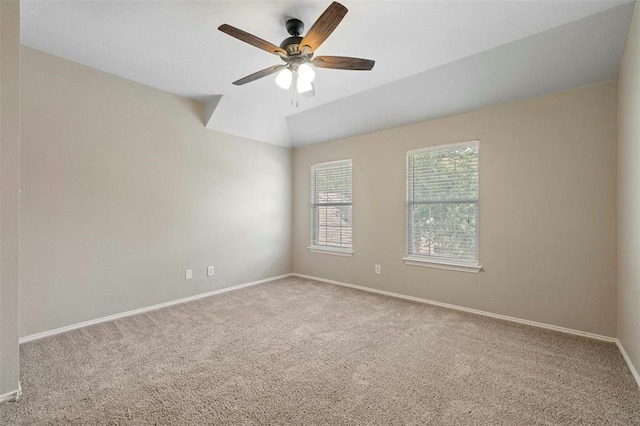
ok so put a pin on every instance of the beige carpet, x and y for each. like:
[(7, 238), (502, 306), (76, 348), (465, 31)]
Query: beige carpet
[(296, 351)]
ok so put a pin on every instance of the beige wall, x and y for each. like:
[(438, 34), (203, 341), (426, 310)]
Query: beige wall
[(629, 195), (9, 195), (123, 189), (547, 210)]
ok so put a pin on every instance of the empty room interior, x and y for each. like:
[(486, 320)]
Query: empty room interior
[(304, 212)]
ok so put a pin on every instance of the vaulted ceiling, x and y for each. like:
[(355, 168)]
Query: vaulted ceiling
[(433, 58)]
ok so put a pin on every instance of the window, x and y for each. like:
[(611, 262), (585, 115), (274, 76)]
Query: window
[(442, 207), (331, 207)]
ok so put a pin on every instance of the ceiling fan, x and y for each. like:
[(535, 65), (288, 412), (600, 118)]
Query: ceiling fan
[(297, 51)]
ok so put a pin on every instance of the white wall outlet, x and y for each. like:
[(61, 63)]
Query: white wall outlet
[(378, 269), (188, 274), (210, 271)]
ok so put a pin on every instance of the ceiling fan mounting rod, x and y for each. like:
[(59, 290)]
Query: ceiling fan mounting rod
[(291, 45)]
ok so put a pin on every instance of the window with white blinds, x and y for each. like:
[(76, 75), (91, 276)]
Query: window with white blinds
[(442, 204), (331, 189)]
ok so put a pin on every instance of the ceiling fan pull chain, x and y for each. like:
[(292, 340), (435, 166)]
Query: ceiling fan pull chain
[(293, 91)]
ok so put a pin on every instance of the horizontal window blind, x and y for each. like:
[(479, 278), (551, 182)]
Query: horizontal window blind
[(442, 197), (331, 191)]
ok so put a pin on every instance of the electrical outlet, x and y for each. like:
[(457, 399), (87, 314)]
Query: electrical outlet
[(378, 269), (210, 271), (188, 274)]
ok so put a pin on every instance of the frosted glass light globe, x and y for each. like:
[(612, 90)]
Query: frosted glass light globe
[(284, 78), (306, 72)]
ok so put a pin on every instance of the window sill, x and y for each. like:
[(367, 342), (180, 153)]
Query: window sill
[(331, 251), (419, 261)]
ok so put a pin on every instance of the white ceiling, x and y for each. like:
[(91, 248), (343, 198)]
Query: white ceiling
[(175, 46)]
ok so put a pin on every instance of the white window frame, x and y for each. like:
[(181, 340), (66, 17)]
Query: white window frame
[(439, 263), (323, 249)]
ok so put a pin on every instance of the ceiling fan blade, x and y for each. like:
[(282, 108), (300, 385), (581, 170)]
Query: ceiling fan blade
[(324, 26), (252, 40), (256, 75), (343, 63)]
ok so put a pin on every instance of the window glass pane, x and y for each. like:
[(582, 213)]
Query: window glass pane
[(445, 230), (331, 191), (449, 174), (442, 189)]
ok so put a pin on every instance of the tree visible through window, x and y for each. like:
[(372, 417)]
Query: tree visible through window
[(331, 205), (442, 203)]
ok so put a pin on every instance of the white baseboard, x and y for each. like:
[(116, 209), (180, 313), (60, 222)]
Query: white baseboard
[(13, 395), (462, 308), (44, 334), (634, 372)]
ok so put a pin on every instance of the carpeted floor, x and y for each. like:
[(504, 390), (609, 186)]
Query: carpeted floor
[(295, 351)]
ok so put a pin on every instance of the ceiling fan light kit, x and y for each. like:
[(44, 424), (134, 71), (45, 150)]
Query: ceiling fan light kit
[(297, 52)]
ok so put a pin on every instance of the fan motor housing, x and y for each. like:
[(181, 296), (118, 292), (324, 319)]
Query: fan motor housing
[(295, 27), (291, 45)]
